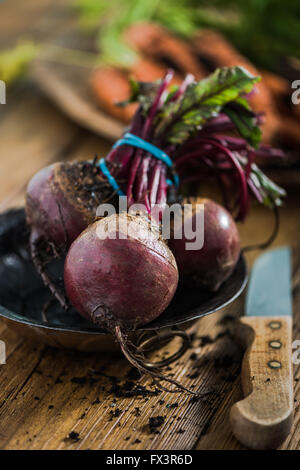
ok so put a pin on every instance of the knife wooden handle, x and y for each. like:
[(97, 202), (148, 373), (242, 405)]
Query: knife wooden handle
[(263, 419)]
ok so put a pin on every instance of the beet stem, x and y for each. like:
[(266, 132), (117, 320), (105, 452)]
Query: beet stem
[(269, 241)]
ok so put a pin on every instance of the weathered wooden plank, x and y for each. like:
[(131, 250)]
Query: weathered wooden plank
[(293, 440), (34, 19), (219, 435), (75, 144), (97, 429), (32, 134)]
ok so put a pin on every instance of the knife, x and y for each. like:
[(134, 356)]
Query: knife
[(263, 419)]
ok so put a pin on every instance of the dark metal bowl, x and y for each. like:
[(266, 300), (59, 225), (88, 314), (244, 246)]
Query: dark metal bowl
[(23, 297)]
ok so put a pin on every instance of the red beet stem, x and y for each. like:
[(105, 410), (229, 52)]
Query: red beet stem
[(158, 101), (244, 202), (146, 182), (181, 90)]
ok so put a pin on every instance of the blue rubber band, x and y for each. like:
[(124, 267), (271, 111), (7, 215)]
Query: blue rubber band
[(109, 177), (135, 141)]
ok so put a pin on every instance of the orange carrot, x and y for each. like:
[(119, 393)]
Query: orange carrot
[(212, 46), (154, 41), (111, 85)]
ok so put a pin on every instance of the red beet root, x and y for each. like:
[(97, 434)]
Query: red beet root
[(57, 207), (120, 282), (212, 264), (61, 201)]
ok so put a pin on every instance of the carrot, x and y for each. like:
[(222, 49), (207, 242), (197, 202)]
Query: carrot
[(281, 90), (111, 85), (213, 47), (156, 42)]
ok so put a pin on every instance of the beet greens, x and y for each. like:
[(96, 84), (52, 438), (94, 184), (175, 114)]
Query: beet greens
[(208, 129)]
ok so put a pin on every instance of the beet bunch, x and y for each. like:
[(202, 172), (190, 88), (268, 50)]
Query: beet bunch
[(119, 271)]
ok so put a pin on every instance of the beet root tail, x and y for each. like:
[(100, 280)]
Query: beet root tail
[(137, 361), (38, 263)]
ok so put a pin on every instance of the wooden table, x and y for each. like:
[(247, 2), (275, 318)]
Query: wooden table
[(55, 399)]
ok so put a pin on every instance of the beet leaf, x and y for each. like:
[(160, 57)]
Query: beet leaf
[(201, 101)]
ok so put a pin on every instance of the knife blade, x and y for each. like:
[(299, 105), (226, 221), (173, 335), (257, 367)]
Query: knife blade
[(263, 419), (269, 291)]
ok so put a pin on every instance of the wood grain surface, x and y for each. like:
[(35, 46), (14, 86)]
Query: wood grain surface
[(55, 399)]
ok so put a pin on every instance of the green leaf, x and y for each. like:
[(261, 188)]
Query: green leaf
[(117, 16), (172, 90), (14, 62), (114, 51), (272, 193), (203, 100), (245, 121), (90, 12), (142, 92)]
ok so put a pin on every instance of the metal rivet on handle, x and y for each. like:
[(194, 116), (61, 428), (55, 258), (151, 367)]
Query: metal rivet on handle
[(274, 364), (275, 325), (275, 344)]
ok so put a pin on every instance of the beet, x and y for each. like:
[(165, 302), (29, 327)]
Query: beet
[(61, 201), (211, 265), (120, 282)]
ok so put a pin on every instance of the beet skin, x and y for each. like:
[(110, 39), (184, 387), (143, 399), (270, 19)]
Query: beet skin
[(52, 211), (124, 282), (211, 265), (61, 201)]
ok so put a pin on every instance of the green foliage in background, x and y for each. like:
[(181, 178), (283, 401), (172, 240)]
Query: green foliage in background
[(114, 16), (14, 61), (264, 30)]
